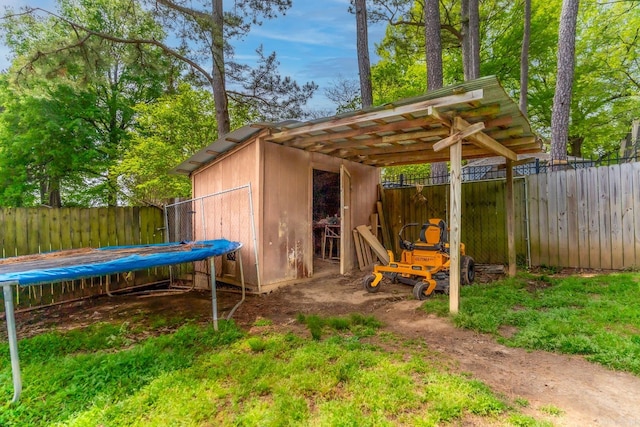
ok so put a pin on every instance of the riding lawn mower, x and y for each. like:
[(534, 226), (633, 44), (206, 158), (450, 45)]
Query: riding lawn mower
[(424, 264)]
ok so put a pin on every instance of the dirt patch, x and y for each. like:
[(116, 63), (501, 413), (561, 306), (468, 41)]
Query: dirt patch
[(587, 394)]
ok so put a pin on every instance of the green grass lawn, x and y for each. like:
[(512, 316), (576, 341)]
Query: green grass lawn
[(339, 372), (598, 317)]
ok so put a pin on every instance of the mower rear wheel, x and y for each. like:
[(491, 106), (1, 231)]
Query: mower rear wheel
[(366, 284), (419, 291), (467, 270)]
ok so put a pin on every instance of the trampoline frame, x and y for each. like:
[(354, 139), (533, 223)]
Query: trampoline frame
[(10, 309)]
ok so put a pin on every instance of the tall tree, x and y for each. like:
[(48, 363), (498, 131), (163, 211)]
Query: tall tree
[(433, 47), (470, 12), (62, 66), (565, 65), (362, 42), (524, 57), (205, 32)]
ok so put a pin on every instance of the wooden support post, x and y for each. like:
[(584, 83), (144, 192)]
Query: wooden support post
[(454, 225), (511, 228)]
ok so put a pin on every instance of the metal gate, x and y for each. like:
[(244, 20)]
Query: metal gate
[(226, 214)]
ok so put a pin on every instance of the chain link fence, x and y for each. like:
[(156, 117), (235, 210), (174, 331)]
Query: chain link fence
[(226, 214)]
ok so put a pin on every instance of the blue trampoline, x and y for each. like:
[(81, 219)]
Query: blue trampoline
[(84, 263)]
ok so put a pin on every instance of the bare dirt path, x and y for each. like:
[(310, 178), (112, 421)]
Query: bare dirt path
[(586, 393)]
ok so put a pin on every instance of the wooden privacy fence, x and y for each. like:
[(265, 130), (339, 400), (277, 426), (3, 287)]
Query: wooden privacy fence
[(483, 216), (25, 231), (586, 218)]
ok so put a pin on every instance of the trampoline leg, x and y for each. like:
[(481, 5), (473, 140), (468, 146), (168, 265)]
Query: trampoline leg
[(13, 341), (214, 296)]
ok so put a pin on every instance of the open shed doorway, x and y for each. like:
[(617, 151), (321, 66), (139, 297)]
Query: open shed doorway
[(326, 222)]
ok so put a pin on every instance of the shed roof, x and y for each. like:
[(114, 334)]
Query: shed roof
[(415, 130)]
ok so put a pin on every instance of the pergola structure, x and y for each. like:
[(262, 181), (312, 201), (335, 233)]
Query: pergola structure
[(471, 120)]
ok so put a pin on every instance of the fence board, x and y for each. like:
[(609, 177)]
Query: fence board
[(636, 209), (85, 228), (615, 201), (95, 227), (65, 228), (543, 218), (534, 225), (10, 232), (583, 219), (628, 231), (103, 218), (605, 218), (22, 242), (593, 210), (573, 231), (562, 220), (33, 237)]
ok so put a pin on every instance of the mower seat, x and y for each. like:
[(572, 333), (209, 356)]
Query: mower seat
[(433, 235)]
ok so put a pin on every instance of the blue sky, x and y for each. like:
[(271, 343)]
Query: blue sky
[(314, 41)]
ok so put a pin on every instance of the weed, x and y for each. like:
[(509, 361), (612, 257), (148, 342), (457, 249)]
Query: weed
[(521, 401), (256, 344), (262, 322), (552, 410)]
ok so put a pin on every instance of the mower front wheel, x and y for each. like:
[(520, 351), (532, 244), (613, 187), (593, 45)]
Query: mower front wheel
[(467, 270), (366, 284), (419, 291)]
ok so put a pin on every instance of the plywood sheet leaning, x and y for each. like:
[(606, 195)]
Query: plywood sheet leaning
[(363, 251), (375, 245)]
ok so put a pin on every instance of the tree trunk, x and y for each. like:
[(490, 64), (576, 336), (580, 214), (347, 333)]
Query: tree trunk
[(433, 44), (218, 84), (575, 142), (470, 14), (524, 58), (561, 110), (433, 47), (364, 65)]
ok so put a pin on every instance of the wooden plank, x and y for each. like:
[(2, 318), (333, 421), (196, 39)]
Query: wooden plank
[(95, 227), (511, 232), (119, 222), (103, 227), (358, 244), (85, 228), (552, 217), (375, 227), (520, 209), (22, 244), (375, 245), (615, 203), (483, 140), (628, 231), (45, 230), (605, 218), (10, 246), (128, 226), (636, 210), (65, 228), (377, 115), (384, 224), (454, 226), (54, 230), (462, 133), (32, 230), (500, 252), (561, 214), (582, 206), (543, 218), (112, 226), (76, 228), (2, 232), (533, 183), (593, 210)]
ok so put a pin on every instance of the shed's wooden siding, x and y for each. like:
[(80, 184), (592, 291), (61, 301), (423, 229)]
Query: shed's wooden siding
[(286, 225), (228, 216)]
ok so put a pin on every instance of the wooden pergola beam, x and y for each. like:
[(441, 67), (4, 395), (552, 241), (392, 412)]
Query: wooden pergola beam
[(485, 141), (419, 107), (458, 136)]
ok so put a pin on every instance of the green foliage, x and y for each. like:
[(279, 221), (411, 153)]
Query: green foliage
[(79, 94), (356, 323), (605, 91), (595, 317), (168, 131)]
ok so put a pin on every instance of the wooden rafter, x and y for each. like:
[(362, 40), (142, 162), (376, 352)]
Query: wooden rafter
[(485, 141)]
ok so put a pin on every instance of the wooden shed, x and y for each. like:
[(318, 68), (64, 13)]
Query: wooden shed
[(474, 119)]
